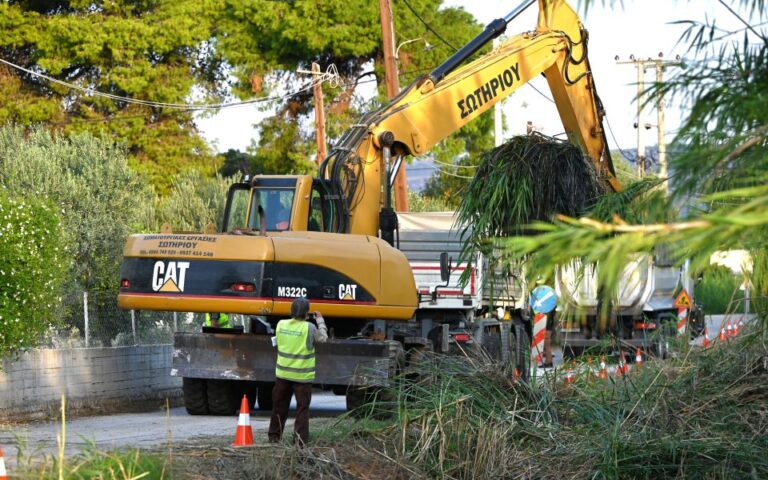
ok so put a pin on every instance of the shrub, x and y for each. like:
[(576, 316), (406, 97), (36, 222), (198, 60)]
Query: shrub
[(33, 267), (718, 292)]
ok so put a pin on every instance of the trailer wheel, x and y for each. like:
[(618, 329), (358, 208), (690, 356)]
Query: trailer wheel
[(522, 349), (222, 397), (265, 395), (356, 397), (492, 346), (195, 399)]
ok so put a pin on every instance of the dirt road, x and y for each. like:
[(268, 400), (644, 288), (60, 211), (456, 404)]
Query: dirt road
[(139, 430)]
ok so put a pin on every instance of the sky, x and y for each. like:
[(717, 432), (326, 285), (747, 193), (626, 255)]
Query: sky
[(638, 27)]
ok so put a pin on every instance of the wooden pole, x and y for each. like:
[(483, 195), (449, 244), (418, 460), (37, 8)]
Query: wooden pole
[(322, 149), (393, 88)]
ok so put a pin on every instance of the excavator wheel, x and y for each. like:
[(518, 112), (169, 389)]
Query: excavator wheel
[(195, 397), (222, 397), (265, 395)]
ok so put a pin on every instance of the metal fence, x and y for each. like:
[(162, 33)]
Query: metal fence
[(93, 319)]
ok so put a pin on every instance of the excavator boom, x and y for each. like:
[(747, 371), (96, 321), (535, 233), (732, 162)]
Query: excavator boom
[(442, 102)]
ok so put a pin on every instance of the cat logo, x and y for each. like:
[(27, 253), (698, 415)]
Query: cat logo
[(347, 292), (169, 278)]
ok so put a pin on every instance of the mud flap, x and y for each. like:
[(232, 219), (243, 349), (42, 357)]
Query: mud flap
[(252, 357)]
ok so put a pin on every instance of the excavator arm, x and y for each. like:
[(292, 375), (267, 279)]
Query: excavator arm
[(442, 102)]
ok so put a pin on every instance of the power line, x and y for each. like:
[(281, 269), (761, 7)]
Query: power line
[(429, 27), (148, 103), (616, 141), (453, 165), (540, 92)]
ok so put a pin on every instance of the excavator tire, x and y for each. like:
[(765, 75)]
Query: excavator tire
[(265, 395), (195, 397), (249, 389), (222, 397)]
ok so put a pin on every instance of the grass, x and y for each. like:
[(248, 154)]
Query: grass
[(91, 463), (704, 415)]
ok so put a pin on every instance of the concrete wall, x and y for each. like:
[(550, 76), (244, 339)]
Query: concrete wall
[(89, 377)]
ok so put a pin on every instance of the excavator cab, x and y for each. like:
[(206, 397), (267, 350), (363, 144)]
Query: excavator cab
[(278, 204)]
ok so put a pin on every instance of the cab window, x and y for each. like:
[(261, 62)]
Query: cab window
[(316, 223), (237, 209), (271, 207)]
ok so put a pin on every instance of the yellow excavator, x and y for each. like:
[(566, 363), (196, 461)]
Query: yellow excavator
[(333, 239)]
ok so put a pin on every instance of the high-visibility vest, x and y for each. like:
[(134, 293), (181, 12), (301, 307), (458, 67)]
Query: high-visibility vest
[(295, 361), (223, 320)]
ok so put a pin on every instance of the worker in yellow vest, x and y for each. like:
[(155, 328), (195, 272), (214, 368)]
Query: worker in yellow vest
[(219, 320), (295, 370)]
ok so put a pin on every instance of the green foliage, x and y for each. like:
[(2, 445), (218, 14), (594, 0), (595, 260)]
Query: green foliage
[(419, 202), (33, 267), (156, 51), (718, 292), (529, 178), (101, 200), (195, 201), (282, 148), (639, 201)]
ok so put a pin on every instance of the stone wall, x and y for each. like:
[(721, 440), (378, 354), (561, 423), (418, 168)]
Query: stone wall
[(91, 378)]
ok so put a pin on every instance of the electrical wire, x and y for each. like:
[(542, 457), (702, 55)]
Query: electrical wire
[(618, 147), (540, 92), (454, 165), (118, 118), (429, 27), (453, 174), (180, 106)]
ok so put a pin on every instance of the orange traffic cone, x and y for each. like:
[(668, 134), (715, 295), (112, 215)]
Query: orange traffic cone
[(638, 358), (590, 372), (516, 374), (706, 338), (244, 433), (3, 474), (721, 336), (603, 371), (740, 325), (624, 364), (729, 329)]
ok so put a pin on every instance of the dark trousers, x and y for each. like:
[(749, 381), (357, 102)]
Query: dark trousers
[(281, 401)]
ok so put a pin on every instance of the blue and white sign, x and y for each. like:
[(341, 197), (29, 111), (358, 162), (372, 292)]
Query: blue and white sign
[(543, 299)]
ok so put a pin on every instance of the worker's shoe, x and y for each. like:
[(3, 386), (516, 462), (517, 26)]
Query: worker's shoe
[(546, 365), (273, 439)]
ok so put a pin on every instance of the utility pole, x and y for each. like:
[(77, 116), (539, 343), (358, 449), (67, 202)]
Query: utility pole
[(317, 89), (393, 88), (658, 64)]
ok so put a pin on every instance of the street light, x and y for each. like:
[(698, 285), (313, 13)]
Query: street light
[(427, 46)]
